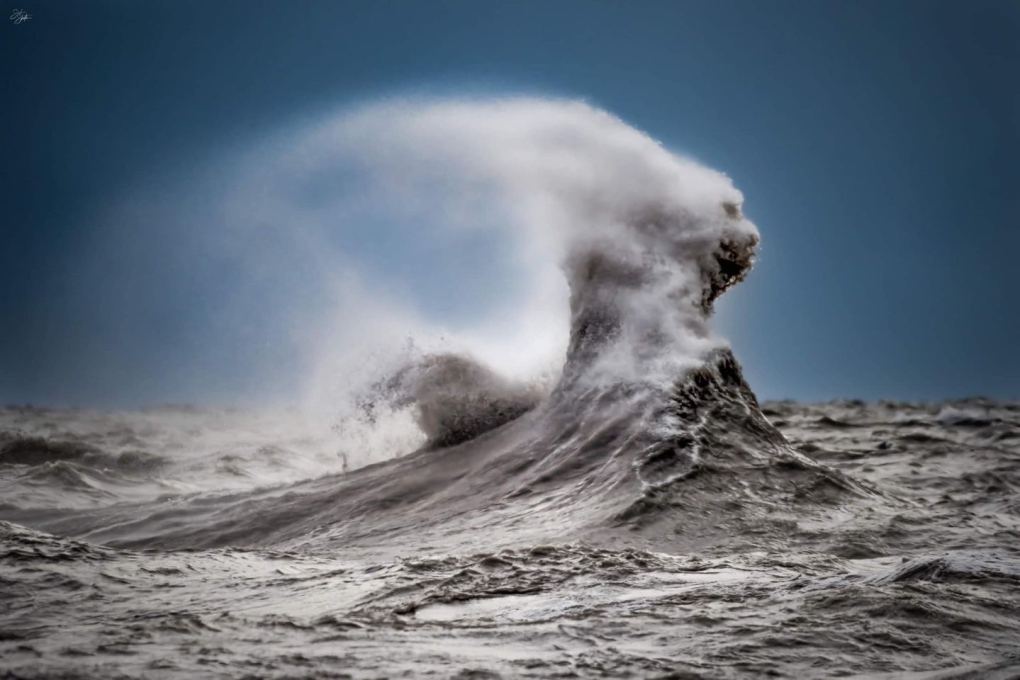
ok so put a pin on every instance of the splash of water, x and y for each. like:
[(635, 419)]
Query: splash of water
[(643, 238)]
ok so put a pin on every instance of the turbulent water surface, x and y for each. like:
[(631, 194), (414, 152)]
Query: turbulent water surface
[(450, 563), (641, 515)]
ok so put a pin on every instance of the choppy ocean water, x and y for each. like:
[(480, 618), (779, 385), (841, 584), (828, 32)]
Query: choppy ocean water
[(399, 570)]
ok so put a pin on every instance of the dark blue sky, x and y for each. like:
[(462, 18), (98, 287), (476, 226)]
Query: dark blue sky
[(876, 143)]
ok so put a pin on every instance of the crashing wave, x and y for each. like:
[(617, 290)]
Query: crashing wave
[(645, 239), (649, 426)]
